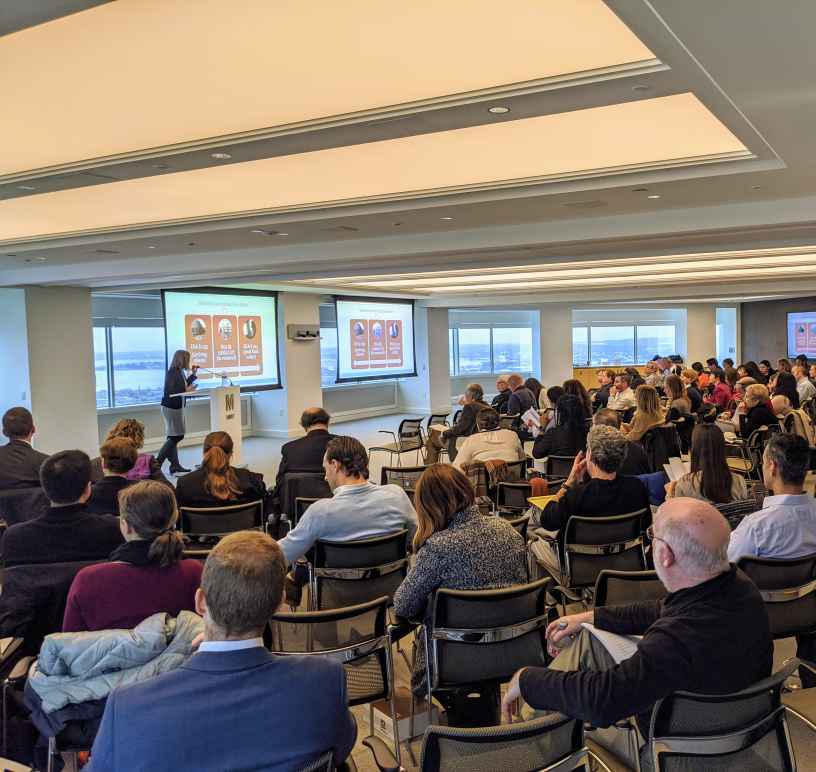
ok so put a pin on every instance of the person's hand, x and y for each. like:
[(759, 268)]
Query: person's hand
[(566, 626), (578, 470), (192, 387), (511, 696), (670, 486)]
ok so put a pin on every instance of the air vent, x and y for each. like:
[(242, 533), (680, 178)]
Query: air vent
[(341, 229), (106, 252), (592, 204)]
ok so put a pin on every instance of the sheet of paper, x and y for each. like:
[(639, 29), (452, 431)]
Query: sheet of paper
[(540, 501), (676, 468), (439, 427), (531, 416), (620, 647)]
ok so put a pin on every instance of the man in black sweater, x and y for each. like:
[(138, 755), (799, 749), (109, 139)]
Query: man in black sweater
[(472, 405), (709, 635), (19, 462), (503, 392), (67, 532)]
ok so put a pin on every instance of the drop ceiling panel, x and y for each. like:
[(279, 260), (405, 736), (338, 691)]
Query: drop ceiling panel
[(647, 134)]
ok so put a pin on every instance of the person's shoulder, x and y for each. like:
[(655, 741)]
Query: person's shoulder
[(190, 567)]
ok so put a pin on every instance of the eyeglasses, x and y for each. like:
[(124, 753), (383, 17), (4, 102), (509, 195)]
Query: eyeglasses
[(652, 537)]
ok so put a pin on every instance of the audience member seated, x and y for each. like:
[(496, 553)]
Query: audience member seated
[(636, 461), (730, 372), (554, 393), (802, 424), (118, 458), (621, 397), (458, 548), (304, 454), (654, 377), (648, 414), (522, 399), (812, 374), (785, 527), (710, 479), (216, 483), (749, 369), (783, 365), (785, 384), (19, 462), (145, 575), (605, 381), (491, 443), (67, 532), (358, 509), (593, 489), (758, 410), (702, 376), (568, 436), (676, 398), (503, 392), (536, 387), (635, 378), (146, 466), (804, 387), (472, 404), (709, 635), (736, 407), (690, 381), (765, 370), (577, 389), (232, 705), (721, 393)]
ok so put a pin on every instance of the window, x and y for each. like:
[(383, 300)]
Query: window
[(485, 350), (474, 351), (580, 346), (100, 343), (726, 321), (138, 365), (512, 349), (595, 345)]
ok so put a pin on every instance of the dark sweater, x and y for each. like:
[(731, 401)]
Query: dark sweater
[(466, 425), (124, 592), (175, 383), (601, 397), (20, 465), (757, 416), (62, 535), (520, 401), (713, 638), (105, 495), (559, 441), (499, 402)]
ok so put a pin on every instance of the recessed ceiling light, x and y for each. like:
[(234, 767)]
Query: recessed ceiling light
[(498, 109), (653, 195), (161, 166), (26, 187), (220, 156), (42, 259), (258, 230), (756, 187), (281, 234), (446, 218), (151, 246)]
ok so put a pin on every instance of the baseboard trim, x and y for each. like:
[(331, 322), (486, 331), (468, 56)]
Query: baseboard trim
[(277, 434), (368, 412)]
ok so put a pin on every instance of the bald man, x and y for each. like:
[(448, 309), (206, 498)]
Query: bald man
[(710, 634)]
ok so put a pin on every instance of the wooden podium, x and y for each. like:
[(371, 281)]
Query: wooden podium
[(225, 413)]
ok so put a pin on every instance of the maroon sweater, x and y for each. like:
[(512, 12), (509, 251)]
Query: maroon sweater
[(119, 595)]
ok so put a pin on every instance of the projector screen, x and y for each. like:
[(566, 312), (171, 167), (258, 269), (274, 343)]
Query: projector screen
[(226, 331), (375, 338), (802, 334)]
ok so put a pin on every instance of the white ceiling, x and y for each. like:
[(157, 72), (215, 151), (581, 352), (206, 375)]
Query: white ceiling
[(367, 159)]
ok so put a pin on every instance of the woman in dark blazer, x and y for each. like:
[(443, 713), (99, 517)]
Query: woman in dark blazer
[(759, 410), (215, 483), (176, 381), (568, 436)]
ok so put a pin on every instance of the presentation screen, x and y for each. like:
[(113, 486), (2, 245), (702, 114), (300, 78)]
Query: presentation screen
[(230, 332), (375, 338), (802, 334)]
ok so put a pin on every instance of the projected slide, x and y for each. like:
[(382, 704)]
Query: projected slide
[(230, 332), (375, 338), (802, 333)]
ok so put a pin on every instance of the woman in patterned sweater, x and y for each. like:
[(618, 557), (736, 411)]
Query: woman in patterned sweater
[(461, 549)]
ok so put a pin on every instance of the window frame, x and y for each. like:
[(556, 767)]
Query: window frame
[(623, 323)]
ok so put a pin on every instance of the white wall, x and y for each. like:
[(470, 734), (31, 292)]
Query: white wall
[(61, 368), (556, 343), (701, 332), (429, 391), (15, 387)]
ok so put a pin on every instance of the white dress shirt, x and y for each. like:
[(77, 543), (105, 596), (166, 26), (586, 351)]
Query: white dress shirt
[(785, 527), (622, 400), (246, 643)]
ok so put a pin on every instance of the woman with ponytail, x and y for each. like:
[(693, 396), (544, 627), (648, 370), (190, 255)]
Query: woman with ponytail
[(145, 575), (215, 483)]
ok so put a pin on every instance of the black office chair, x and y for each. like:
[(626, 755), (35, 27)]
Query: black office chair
[(661, 443), (409, 438), (436, 418), (20, 504), (358, 638), (554, 742), (404, 476), (735, 511), (302, 503), (613, 588), (559, 467), (301, 485), (509, 421), (208, 523), (517, 470), (743, 731), (345, 573), (480, 638), (511, 498)]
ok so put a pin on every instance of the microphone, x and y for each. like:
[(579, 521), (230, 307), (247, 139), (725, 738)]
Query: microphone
[(222, 376)]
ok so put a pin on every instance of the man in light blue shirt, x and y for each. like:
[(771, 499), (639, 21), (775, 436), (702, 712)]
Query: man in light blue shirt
[(785, 527), (357, 510)]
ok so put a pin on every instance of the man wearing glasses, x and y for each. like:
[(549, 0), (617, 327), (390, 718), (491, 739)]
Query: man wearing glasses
[(709, 635)]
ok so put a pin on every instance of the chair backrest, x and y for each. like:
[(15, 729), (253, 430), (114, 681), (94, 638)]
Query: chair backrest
[(20, 504), (788, 588), (559, 466), (410, 431), (32, 604), (302, 503), (324, 763), (404, 476), (554, 742), (735, 511), (661, 443), (456, 416), (508, 421), (746, 730), (436, 418), (219, 521), (512, 496), (614, 588), (355, 636), (484, 636), (517, 470), (351, 572), (592, 544), (302, 485)]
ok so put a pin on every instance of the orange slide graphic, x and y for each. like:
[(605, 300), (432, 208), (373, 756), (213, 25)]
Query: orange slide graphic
[(376, 343)]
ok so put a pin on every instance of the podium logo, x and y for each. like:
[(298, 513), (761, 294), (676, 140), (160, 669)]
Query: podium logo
[(229, 404)]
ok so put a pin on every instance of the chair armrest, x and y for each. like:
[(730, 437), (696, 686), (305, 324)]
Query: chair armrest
[(401, 628), (20, 671), (383, 757), (10, 651)]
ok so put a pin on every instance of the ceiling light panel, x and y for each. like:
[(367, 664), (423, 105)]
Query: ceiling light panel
[(654, 132), (218, 67)]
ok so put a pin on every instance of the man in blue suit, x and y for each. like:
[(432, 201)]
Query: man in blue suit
[(232, 705)]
